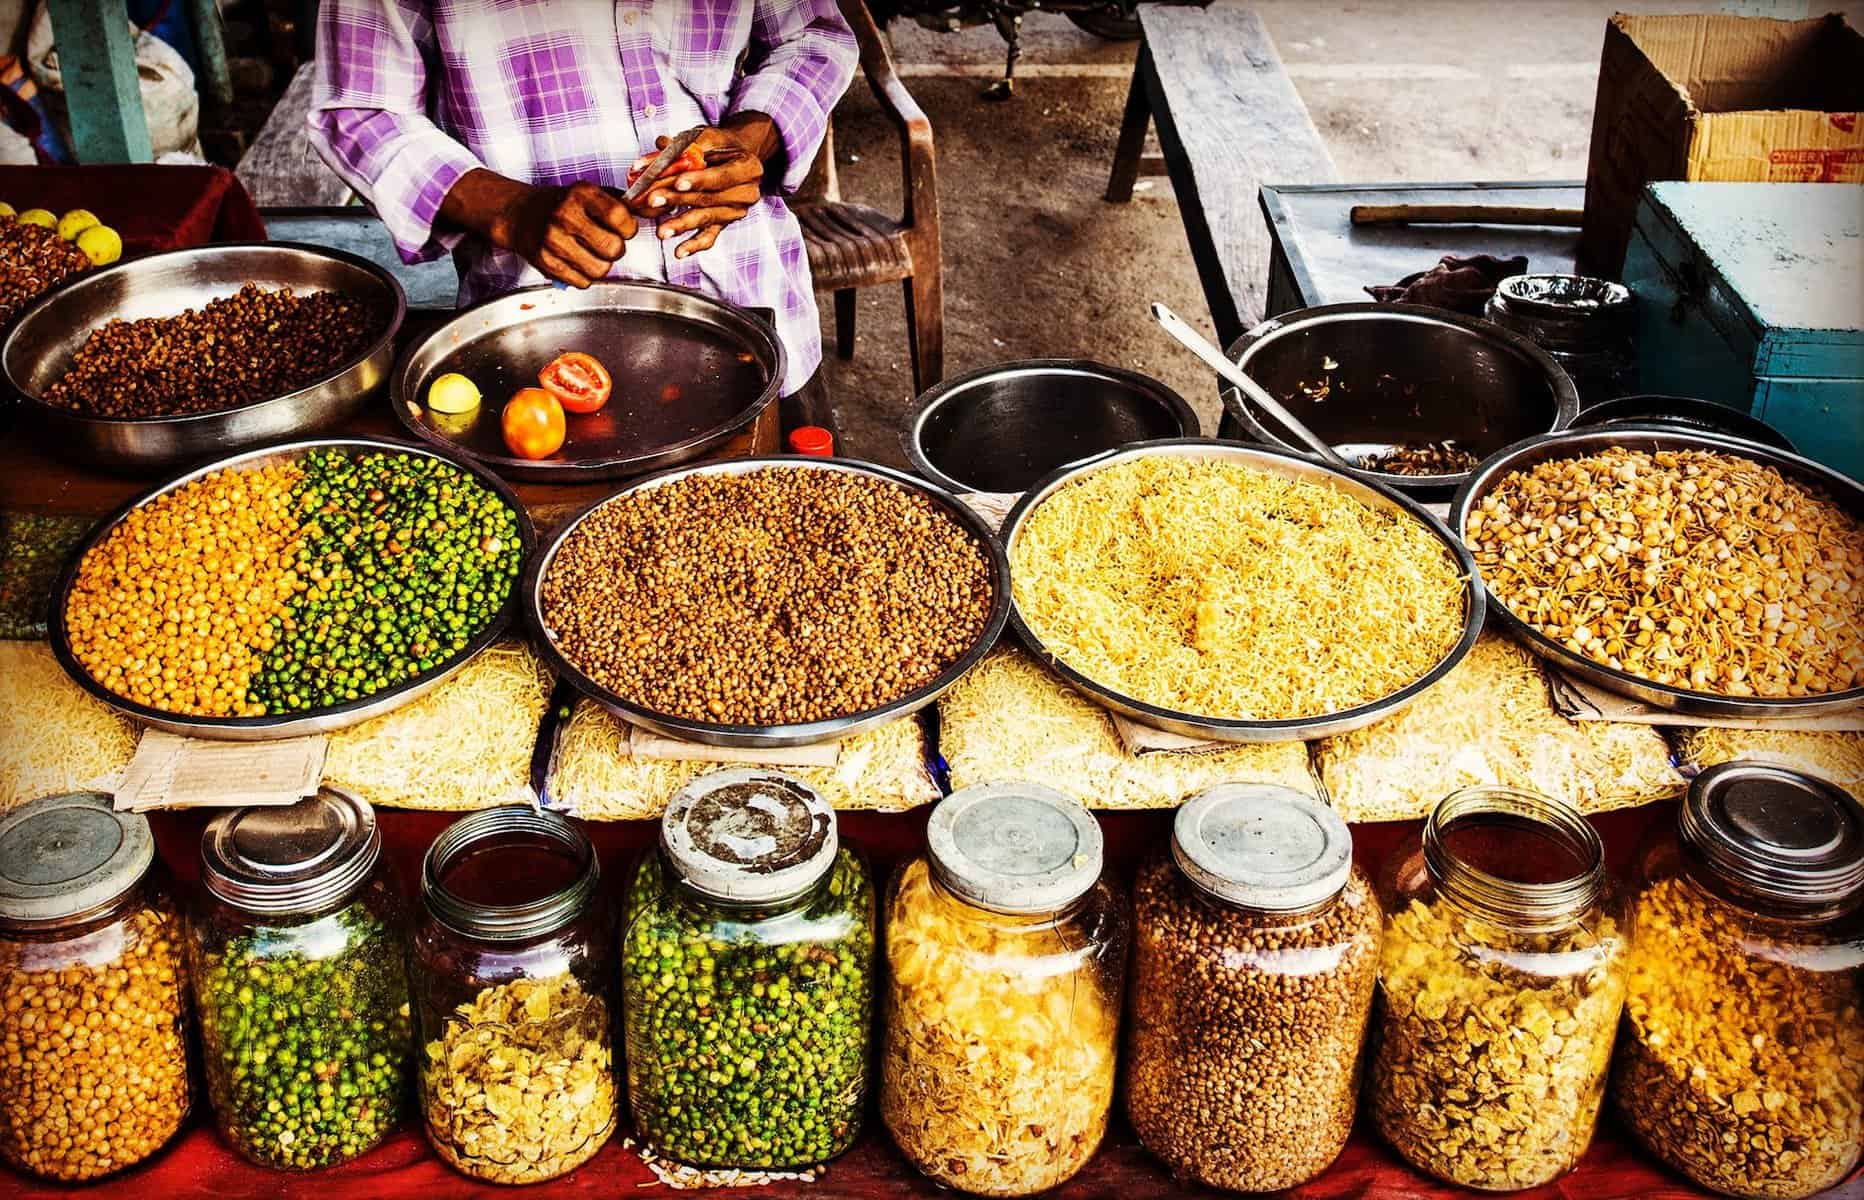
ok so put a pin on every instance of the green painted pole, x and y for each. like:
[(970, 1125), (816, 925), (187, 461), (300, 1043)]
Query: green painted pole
[(97, 58), (216, 81)]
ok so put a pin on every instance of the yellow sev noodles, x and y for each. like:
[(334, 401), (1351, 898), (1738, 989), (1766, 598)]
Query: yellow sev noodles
[(1220, 590)]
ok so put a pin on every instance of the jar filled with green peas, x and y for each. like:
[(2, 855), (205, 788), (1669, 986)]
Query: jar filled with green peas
[(747, 978), (297, 955)]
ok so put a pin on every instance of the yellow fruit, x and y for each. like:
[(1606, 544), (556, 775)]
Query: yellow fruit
[(6, 210), (38, 216), (75, 222), (453, 393), (101, 245)]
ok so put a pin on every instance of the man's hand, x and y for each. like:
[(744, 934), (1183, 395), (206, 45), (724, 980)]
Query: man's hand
[(703, 202), (572, 234)]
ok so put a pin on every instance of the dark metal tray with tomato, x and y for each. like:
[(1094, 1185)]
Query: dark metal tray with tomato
[(687, 373)]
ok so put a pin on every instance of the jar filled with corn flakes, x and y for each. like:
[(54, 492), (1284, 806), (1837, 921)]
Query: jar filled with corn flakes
[(93, 1019), (1741, 1064), (1501, 979), (1256, 950), (1005, 953), (515, 986)]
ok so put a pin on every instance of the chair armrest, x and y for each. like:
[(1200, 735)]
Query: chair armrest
[(917, 159)]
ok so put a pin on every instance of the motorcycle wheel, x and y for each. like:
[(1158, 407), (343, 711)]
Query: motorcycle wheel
[(1107, 25)]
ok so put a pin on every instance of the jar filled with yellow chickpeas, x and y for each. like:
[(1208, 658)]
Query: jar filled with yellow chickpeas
[(93, 1020), (1005, 953), (1501, 980), (1741, 1064)]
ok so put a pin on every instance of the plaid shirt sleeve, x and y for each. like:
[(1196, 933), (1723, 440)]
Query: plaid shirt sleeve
[(803, 56), (369, 118)]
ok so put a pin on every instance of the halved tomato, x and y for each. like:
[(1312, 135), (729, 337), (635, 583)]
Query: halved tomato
[(577, 380)]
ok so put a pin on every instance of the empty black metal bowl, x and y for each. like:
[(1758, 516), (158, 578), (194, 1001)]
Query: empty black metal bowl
[(1685, 412)]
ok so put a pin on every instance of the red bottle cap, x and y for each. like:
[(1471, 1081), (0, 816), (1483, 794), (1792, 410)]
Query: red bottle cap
[(812, 439)]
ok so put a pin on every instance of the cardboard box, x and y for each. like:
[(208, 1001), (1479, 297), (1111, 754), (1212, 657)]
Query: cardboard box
[(1716, 97)]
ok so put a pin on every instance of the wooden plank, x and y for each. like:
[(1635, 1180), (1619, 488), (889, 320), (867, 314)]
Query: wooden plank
[(281, 170), (214, 80), (1228, 121), (102, 91)]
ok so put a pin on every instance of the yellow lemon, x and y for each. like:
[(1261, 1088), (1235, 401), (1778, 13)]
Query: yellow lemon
[(6, 210), (453, 393), (75, 222), (101, 245), (38, 216)]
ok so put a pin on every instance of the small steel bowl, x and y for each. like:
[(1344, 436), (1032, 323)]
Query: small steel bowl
[(1291, 465), (1370, 376), (40, 346), (1577, 443), (766, 736), (286, 725), (1002, 428)]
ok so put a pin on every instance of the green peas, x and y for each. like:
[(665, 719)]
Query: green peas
[(306, 1052), (747, 1038), (379, 574)]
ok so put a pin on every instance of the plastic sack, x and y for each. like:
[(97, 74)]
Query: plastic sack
[(169, 101)]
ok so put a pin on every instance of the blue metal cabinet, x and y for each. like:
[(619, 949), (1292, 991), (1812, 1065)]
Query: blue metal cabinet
[(1752, 295)]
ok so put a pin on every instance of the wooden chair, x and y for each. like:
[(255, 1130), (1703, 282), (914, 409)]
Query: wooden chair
[(853, 246)]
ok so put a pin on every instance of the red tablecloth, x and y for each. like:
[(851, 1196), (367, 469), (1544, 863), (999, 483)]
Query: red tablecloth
[(200, 1167), (152, 207)]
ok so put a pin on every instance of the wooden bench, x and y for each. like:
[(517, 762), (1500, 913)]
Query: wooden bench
[(1228, 121)]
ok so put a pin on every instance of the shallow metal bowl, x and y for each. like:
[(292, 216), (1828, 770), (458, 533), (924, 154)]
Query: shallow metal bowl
[(803, 733), (1002, 428), (1577, 443), (321, 720), (40, 346), (1367, 377), (1290, 465), (1683, 412)]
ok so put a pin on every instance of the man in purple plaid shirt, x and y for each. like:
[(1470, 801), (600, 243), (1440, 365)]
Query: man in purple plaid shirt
[(491, 128)]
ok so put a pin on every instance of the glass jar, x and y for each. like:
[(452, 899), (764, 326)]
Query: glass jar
[(93, 1021), (1005, 954), (1741, 1064), (1255, 952), (514, 967), (299, 963), (747, 977), (1500, 984)]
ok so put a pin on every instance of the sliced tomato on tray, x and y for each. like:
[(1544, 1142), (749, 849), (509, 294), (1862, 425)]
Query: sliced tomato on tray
[(579, 382)]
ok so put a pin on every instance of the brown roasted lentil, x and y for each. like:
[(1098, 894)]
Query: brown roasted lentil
[(1246, 1033), (255, 345), (774, 597), (33, 260), (93, 1049)]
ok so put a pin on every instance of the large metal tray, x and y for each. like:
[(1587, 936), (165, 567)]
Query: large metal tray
[(765, 736), (40, 346), (1576, 443), (690, 372), (323, 720), (1291, 465)]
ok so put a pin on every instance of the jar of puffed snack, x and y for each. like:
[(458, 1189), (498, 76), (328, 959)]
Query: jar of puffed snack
[(1501, 979), (1741, 1064), (93, 1015), (1256, 952), (515, 985), (1005, 954)]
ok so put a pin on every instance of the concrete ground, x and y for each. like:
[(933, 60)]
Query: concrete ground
[(1037, 264)]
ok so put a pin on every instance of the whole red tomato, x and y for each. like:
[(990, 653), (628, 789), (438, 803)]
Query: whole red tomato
[(533, 424), (577, 380)]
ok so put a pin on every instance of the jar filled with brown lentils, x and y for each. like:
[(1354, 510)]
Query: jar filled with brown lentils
[(1501, 978), (1255, 955), (1741, 1061), (93, 1024)]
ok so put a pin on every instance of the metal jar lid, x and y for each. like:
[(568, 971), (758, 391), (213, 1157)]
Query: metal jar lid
[(294, 857), (1262, 846), (1014, 847), (508, 922), (62, 856), (1776, 833), (749, 836)]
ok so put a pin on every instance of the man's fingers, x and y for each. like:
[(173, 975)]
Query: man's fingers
[(609, 211), (604, 243), (562, 243), (666, 200), (698, 218), (553, 266), (699, 241), (743, 169)]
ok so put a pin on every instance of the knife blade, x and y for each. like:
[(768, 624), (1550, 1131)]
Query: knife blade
[(668, 155)]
